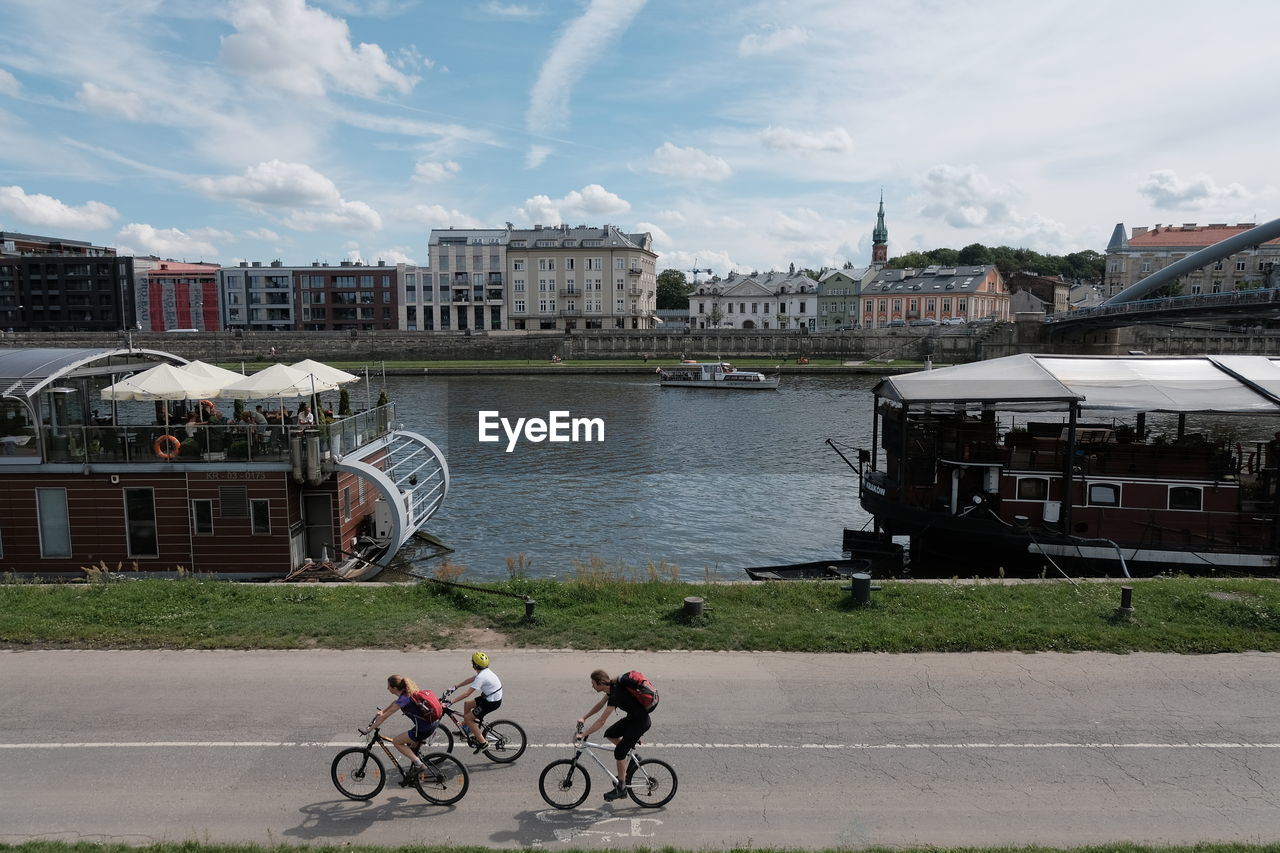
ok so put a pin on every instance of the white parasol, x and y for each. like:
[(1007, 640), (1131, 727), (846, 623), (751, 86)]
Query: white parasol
[(325, 373), (162, 382), (211, 371), (278, 380)]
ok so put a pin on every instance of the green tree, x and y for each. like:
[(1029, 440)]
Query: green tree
[(975, 254), (673, 290), (344, 403)]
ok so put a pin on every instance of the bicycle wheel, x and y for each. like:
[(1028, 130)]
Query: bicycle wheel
[(564, 784), (445, 780), (441, 740), (357, 773), (506, 741), (652, 783)]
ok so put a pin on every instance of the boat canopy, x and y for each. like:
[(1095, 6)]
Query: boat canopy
[(25, 371), (1228, 384)]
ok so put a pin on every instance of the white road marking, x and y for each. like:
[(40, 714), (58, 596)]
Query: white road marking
[(264, 744)]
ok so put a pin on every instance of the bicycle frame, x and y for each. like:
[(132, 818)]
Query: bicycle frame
[(582, 747)]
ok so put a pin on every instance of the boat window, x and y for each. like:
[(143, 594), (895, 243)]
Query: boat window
[(1185, 497), (261, 509), (202, 517), (1104, 494), (1033, 489), (140, 522), (54, 520)]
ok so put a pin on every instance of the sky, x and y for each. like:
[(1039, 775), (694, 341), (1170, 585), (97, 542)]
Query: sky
[(742, 135)]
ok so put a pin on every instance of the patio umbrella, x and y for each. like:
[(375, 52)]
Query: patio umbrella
[(212, 371), (278, 380), (162, 382), (324, 373)]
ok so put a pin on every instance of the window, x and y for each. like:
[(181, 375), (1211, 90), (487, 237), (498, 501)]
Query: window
[(517, 266), (1185, 497), (518, 285), (568, 264), (1146, 266), (140, 522), (546, 264), (1033, 489), (202, 517), (1239, 266), (55, 527), (260, 509), (1104, 494), (346, 503), (519, 306)]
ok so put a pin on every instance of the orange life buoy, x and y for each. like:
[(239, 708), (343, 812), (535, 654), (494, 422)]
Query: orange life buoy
[(167, 446), (209, 407)]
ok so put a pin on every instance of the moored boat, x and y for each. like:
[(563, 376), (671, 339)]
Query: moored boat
[(137, 492), (714, 374), (840, 569), (1106, 496)]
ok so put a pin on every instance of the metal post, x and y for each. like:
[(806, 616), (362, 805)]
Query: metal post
[(1125, 610)]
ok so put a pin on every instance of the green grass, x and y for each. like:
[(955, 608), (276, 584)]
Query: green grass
[(601, 608), (193, 847)]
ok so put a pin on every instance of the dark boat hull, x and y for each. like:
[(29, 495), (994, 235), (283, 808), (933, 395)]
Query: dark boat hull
[(812, 571)]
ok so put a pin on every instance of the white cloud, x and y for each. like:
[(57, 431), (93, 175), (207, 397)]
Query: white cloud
[(784, 138), (680, 162), (286, 45), (264, 234), (274, 183), (44, 210), (430, 171), (128, 104), (346, 215), (9, 84), (671, 216), (396, 255), (536, 155), (515, 11), (1167, 191), (591, 203), (165, 242), (962, 197), (703, 259), (773, 41), (436, 216), (660, 238), (578, 47)]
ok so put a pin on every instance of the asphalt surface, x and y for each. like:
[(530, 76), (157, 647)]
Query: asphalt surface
[(772, 750)]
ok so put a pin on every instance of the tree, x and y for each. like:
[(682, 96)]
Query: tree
[(344, 402), (673, 290)]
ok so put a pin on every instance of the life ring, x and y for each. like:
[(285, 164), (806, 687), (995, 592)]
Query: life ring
[(209, 407), (167, 446)]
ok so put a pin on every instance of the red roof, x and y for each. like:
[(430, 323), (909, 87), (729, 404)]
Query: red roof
[(1163, 236)]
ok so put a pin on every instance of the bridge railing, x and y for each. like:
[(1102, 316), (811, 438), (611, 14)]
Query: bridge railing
[(1168, 303)]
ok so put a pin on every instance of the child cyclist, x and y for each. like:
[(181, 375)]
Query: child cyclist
[(489, 687), (408, 742)]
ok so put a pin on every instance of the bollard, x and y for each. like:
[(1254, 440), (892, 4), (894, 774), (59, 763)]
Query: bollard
[(1125, 610), (528, 607), (693, 606), (860, 586)]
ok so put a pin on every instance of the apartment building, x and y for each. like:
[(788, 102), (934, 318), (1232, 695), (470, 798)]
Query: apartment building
[(897, 296), (50, 284), (769, 300), (175, 295), (464, 285), (838, 291), (581, 277), (350, 297), (1132, 258)]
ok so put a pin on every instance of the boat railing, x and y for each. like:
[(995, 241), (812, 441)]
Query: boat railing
[(353, 431)]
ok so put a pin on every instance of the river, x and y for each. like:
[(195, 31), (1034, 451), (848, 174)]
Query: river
[(693, 484)]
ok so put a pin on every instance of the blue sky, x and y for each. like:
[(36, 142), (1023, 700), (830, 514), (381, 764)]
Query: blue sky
[(743, 135)]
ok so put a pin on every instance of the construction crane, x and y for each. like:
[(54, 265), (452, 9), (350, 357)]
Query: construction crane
[(697, 270)]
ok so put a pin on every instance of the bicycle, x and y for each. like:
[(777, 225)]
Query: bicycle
[(506, 738), (359, 774), (565, 783)]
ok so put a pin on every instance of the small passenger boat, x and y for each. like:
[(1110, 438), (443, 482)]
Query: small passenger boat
[(815, 570), (713, 374)]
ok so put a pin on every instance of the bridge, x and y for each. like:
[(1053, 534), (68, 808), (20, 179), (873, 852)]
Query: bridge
[(1128, 307)]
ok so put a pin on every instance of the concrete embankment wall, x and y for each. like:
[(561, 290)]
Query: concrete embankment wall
[(943, 344)]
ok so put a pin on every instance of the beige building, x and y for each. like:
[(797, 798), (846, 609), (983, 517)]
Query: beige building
[(562, 277), (1132, 258)]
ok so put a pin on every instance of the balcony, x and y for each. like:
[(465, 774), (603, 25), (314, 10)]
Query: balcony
[(570, 312), (571, 293), (633, 272), (635, 294)]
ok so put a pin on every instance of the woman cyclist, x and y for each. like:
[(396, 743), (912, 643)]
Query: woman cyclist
[(489, 687), (408, 742)]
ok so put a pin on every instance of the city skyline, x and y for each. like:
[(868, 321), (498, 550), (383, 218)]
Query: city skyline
[(741, 135)]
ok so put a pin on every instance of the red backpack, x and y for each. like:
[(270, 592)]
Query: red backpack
[(427, 705), (640, 688)]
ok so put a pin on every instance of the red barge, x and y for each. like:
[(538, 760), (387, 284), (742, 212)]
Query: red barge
[(141, 496), (1033, 463)]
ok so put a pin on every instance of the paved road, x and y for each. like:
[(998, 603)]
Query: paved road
[(786, 750)]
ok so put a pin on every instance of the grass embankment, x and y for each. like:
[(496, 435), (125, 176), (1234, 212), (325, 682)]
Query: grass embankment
[(193, 847), (1183, 615)]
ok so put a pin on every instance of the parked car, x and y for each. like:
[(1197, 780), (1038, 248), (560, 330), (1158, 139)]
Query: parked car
[(983, 321), (895, 324), (925, 321), (953, 321)]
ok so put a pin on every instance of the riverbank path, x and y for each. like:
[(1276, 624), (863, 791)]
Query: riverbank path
[(773, 750)]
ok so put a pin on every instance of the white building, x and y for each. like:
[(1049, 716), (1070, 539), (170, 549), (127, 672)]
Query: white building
[(771, 300)]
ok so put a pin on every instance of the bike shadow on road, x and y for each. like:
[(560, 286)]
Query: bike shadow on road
[(344, 818), (586, 825)]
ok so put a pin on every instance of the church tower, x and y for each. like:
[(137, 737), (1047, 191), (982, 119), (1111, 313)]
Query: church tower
[(880, 239)]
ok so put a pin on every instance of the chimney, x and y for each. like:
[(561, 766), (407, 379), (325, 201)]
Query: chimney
[(276, 263)]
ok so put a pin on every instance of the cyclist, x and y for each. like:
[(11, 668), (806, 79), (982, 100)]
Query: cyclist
[(625, 733), (489, 687), (407, 743)]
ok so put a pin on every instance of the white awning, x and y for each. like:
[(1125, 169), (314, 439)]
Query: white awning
[(1245, 384)]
